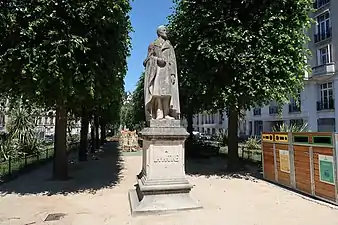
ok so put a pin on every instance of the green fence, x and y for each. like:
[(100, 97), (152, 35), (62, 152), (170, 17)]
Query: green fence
[(15, 165)]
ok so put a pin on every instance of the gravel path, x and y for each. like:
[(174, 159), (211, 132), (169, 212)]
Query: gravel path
[(98, 195)]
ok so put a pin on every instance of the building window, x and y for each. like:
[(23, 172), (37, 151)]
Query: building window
[(326, 125), (213, 131), (202, 121), (208, 130), (257, 111), (212, 118), (220, 117), (320, 3), (295, 104), (197, 119), (250, 128), (326, 96), (202, 130), (323, 29), (324, 55), (258, 128)]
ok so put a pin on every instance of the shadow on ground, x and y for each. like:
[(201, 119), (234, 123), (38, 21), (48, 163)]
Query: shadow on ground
[(102, 170), (217, 166)]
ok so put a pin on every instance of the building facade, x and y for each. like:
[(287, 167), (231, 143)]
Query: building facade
[(209, 123), (213, 123), (316, 103)]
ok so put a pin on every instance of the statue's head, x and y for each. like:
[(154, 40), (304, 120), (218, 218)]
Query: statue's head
[(162, 32)]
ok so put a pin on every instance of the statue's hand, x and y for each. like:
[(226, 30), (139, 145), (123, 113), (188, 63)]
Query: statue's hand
[(173, 79), (161, 62)]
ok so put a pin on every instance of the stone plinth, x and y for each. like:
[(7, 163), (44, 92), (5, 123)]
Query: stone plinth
[(162, 185)]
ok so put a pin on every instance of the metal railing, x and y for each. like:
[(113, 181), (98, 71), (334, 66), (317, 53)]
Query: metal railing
[(273, 110), (257, 111), (294, 108), (17, 164), (325, 105), (320, 36)]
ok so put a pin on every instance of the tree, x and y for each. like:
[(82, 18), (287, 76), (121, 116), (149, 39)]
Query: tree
[(249, 51), (55, 52), (137, 111)]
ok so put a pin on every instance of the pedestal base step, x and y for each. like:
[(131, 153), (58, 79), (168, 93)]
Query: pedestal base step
[(161, 203)]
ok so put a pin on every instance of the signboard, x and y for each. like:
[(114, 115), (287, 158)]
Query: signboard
[(326, 169), (284, 161)]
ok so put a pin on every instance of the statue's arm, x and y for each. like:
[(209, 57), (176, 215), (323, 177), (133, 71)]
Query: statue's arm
[(159, 58)]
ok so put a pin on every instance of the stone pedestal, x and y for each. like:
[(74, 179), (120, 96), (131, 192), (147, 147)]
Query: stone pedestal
[(162, 185)]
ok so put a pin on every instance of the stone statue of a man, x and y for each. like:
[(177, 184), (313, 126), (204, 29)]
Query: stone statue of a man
[(161, 84)]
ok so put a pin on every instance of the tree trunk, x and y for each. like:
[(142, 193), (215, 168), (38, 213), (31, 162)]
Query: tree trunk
[(190, 127), (97, 134), (233, 139), (93, 139), (84, 136), (103, 132), (60, 167)]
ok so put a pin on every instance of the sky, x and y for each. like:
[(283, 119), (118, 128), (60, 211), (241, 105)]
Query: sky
[(146, 16)]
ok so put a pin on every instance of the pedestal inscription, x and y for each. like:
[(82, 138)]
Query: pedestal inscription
[(167, 158), (162, 185)]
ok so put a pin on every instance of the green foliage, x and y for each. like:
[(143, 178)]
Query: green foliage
[(291, 128), (240, 54), (249, 51), (68, 55), (252, 143), (223, 138), (7, 146), (137, 105), (21, 136), (21, 123)]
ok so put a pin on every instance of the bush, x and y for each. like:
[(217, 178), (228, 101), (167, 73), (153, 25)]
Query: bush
[(291, 128), (253, 143)]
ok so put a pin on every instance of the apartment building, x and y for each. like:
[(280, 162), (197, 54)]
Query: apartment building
[(213, 123), (316, 103), (209, 123), (46, 124)]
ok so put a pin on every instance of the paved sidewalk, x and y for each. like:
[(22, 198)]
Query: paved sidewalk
[(98, 194)]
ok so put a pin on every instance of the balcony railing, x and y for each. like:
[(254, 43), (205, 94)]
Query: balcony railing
[(321, 36), (273, 110), (294, 108), (325, 105), (257, 112), (328, 68), (319, 3)]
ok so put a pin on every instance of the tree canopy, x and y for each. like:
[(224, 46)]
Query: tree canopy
[(245, 53), (66, 55)]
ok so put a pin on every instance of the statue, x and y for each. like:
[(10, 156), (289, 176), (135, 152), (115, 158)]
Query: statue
[(162, 184), (161, 79)]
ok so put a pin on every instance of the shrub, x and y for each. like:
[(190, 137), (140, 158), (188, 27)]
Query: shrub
[(253, 143)]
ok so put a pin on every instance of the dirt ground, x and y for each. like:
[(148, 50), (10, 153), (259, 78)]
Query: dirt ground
[(98, 194)]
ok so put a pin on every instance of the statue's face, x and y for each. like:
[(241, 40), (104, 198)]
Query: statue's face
[(162, 32)]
